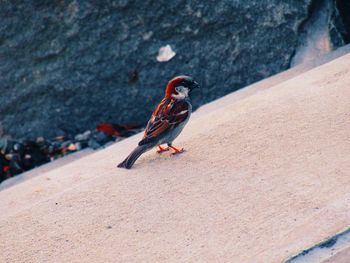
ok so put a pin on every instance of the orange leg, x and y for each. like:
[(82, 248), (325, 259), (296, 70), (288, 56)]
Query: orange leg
[(162, 149), (177, 151)]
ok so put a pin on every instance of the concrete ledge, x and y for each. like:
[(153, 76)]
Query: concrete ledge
[(262, 179)]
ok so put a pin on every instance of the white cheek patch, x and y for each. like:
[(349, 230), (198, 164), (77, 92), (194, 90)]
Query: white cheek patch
[(182, 92), (178, 96)]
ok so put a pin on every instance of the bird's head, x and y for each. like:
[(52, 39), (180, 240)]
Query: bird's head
[(180, 87)]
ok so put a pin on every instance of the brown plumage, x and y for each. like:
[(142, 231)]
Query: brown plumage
[(167, 120)]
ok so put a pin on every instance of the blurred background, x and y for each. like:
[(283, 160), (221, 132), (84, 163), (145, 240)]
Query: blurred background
[(67, 66)]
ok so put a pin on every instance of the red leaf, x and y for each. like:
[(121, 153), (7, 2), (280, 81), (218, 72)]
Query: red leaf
[(7, 168)]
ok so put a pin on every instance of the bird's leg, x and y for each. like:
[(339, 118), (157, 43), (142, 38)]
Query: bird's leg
[(162, 149), (177, 151)]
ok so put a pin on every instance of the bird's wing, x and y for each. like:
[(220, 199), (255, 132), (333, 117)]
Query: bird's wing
[(169, 114)]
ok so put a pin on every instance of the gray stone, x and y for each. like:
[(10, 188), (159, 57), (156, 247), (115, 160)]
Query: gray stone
[(339, 26), (83, 137), (68, 65)]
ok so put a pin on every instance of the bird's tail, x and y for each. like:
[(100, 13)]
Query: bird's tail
[(133, 156)]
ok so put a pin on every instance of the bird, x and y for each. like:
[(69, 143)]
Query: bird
[(167, 120)]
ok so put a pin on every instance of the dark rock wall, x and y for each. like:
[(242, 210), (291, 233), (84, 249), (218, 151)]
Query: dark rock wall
[(339, 26), (67, 65)]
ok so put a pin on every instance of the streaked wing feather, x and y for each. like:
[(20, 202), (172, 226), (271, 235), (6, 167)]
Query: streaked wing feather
[(168, 115)]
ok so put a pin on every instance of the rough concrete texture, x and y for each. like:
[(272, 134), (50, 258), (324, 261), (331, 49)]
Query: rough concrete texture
[(68, 65), (45, 168), (262, 179), (332, 247), (341, 257)]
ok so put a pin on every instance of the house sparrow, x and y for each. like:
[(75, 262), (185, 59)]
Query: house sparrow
[(167, 121)]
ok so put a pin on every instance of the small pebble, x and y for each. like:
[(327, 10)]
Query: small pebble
[(22, 155)]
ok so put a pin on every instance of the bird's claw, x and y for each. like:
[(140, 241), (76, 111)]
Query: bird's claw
[(162, 149), (178, 151)]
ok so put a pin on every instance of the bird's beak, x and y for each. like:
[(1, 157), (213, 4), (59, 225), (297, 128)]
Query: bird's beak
[(195, 85)]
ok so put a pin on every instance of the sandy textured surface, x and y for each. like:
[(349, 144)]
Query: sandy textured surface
[(341, 257), (45, 168), (262, 179)]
